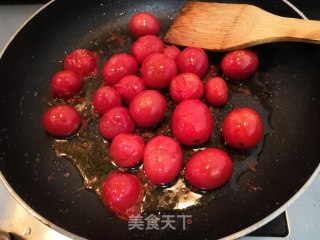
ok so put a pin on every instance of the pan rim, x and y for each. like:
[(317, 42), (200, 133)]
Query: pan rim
[(2, 51), (3, 180), (236, 235), (276, 213), (54, 227)]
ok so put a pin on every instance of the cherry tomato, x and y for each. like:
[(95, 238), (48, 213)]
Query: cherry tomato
[(129, 87), (144, 24), (239, 64), (82, 62), (192, 122), (242, 128), (148, 108), (65, 84), (209, 169), (117, 67), (115, 121), (193, 60), (162, 160), (61, 121), (172, 52), (105, 98), (146, 45), (157, 71), (216, 91), (123, 194), (186, 86), (127, 149)]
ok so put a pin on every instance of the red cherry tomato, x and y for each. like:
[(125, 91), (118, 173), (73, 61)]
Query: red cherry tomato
[(61, 121), (123, 194), (240, 64), (193, 60), (242, 128), (186, 86), (127, 149), (148, 108), (65, 84), (216, 91), (209, 169), (192, 122), (162, 160), (172, 52), (82, 62), (105, 98), (117, 67), (157, 71), (115, 121), (146, 45), (144, 24), (129, 87)]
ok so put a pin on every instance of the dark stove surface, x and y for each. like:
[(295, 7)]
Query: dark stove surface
[(276, 228)]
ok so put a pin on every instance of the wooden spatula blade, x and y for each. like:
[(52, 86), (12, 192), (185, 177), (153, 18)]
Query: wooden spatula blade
[(222, 27), (212, 26)]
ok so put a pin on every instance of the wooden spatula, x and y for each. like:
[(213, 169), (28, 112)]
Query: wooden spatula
[(222, 27)]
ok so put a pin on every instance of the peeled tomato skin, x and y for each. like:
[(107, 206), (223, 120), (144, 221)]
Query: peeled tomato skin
[(209, 169), (162, 160), (192, 122)]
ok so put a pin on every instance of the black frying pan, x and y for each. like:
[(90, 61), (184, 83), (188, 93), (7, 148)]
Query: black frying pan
[(290, 155)]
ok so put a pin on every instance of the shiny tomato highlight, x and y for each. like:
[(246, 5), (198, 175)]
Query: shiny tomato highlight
[(192, 122), (157, 71), (144, 23), (117, 67), (115, 121), (123, 194), (148, 108), (239, 64), (82, 62), (61, 121), (209, 169), (127, 149), (162, 160), (242, 128)]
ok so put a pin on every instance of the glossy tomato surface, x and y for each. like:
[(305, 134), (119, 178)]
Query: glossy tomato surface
[(192, 122), (127, 149), (61, 121), (115, 121), (146, 45), (242, 128), (123, 194), (209, 169), (216, 91), (65, 84), (193, 60), (186, 86), (144, 23), (148, 108), (129, 87), (162, 160), (105, 98), (117, 67), (157, 71), (172, 52), (82, 62), (239, 64)]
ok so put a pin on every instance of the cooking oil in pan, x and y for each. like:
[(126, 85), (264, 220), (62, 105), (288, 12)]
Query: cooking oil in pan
[(90, 152)]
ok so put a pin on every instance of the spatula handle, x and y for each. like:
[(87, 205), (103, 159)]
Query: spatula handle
[(297, 30)]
